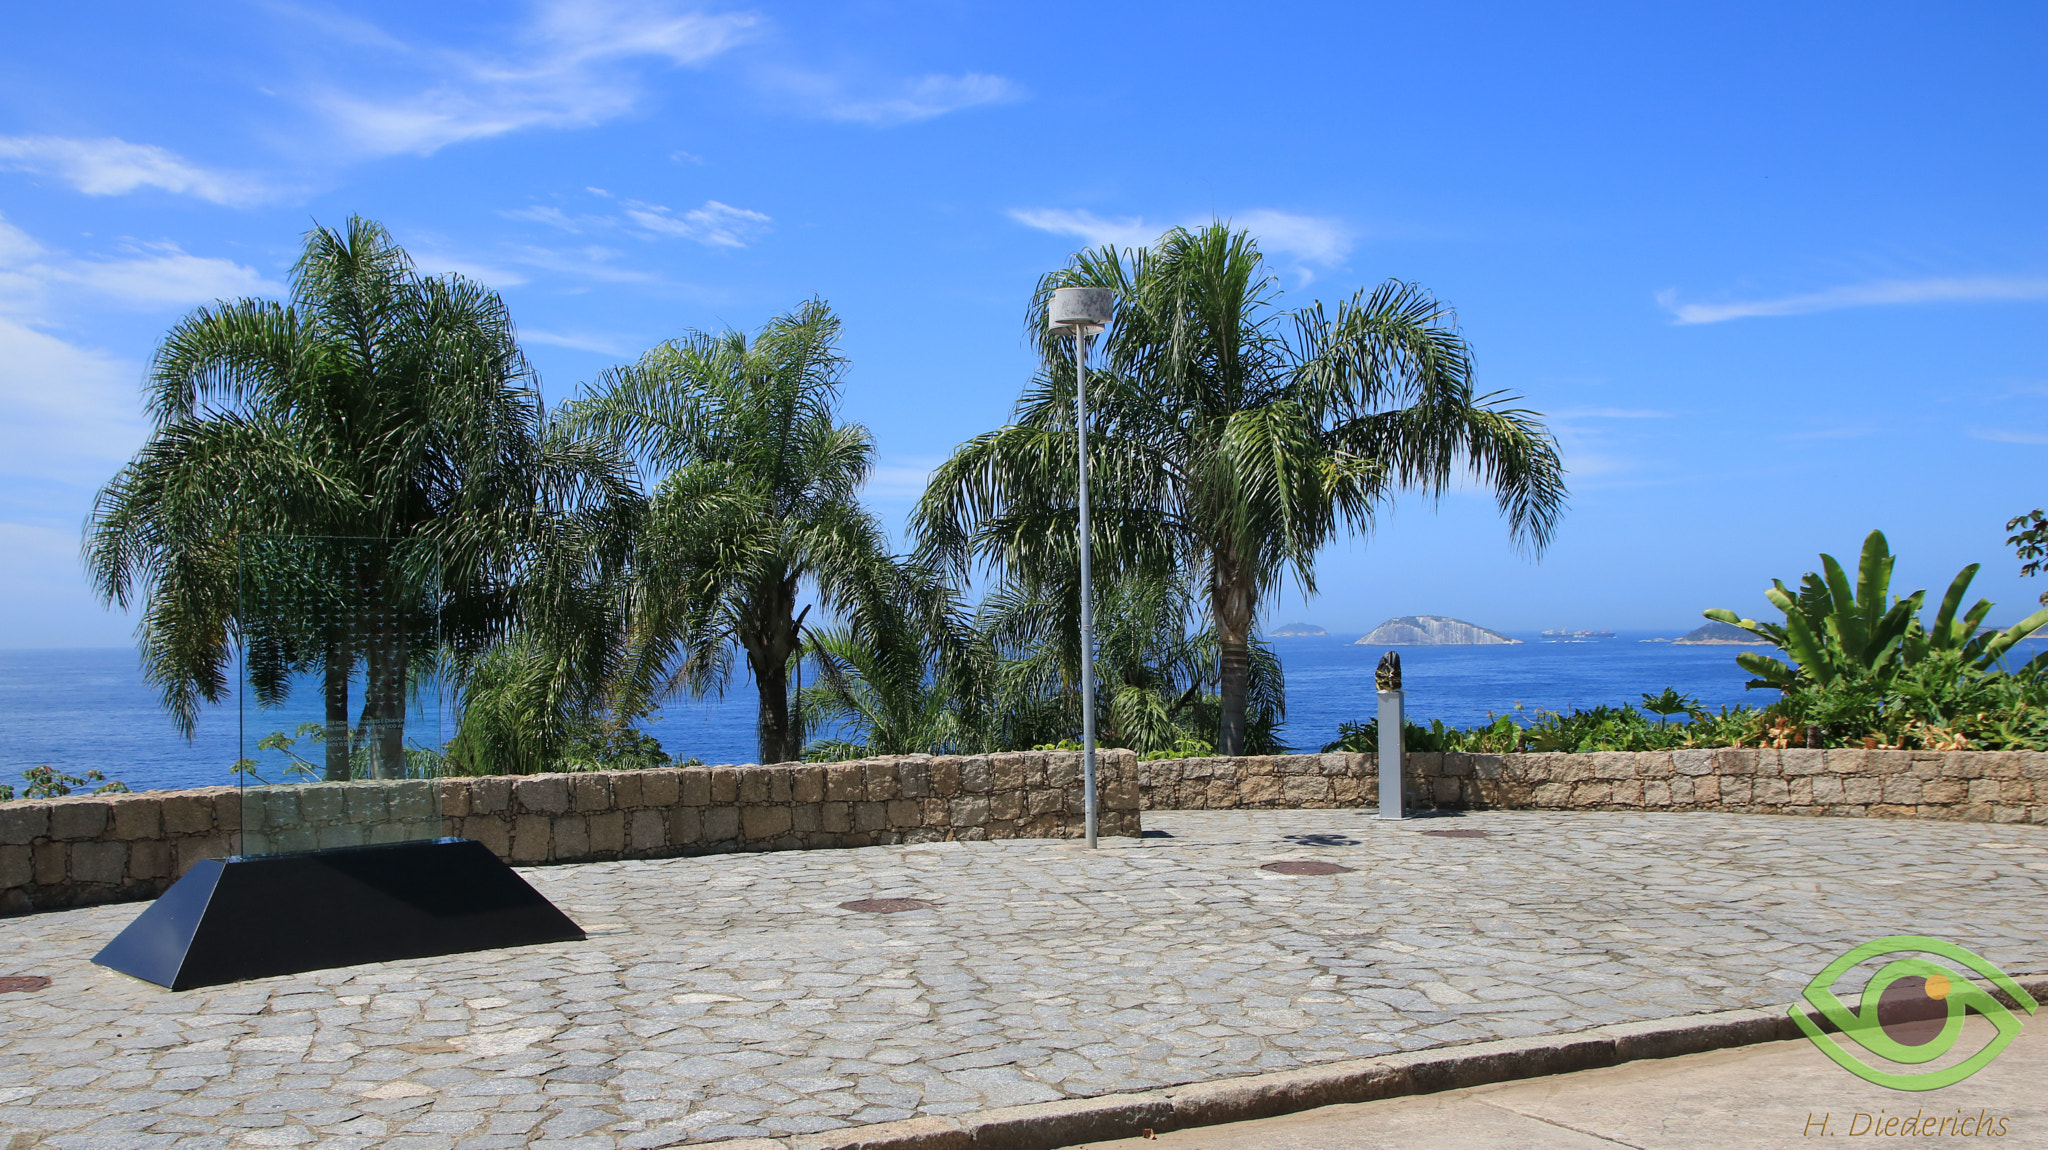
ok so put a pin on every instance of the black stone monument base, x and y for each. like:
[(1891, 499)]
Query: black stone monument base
[(236, 918)]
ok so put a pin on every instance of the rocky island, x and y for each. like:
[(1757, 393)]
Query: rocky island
[(1293, 630), (1718, 635), (1432, 631)]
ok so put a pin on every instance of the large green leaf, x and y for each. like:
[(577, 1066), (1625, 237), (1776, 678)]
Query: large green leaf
[(1845, 621), (1998, 644), (1874, 578)]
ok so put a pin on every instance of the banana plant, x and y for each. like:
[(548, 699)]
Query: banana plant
[(1981, 649), (1834, 630)]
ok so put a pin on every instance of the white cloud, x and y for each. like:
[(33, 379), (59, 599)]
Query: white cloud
[(910, 101), (1128, 232), (569, 67), (71, 412), (16, 246), (1309, 239), (149, 275), (2027, 437), (48, 603), (713, 225), (1963, 289), (113, 167), (164, 275)]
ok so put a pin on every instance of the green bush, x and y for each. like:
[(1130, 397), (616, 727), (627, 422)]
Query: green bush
[(47, 782), (1600, 728)]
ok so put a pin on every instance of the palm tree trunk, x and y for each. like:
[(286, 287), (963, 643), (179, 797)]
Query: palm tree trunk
[(339, 662), (769, 641), (1231, 599), (774, 729), (384, 705)]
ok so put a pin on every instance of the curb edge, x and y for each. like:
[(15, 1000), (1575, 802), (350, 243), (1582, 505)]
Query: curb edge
[(1069, 1121)]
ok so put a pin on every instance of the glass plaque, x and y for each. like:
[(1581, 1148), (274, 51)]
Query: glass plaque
[(341, 728)]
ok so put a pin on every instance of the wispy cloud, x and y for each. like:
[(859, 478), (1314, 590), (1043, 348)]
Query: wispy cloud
[(2028, 437), (891, 104), (713, 225), (149, 274), (1094, 230), (1960, 289), (114, 167), (1315, 240), (557, 218), (570, 66), (162, 274), (432, 258), (70, 410), (591, 262), (1856, 432), (612, 345), (901, 480)]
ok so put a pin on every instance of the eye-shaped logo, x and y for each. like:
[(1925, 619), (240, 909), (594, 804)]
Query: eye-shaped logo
[(1911, 1011)]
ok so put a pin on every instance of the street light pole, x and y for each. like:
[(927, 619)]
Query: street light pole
[(1084, 312)]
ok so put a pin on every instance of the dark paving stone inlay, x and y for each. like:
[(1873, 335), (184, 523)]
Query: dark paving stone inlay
[(1461, 833), (22, 982), (1305, 867), (887, 905)]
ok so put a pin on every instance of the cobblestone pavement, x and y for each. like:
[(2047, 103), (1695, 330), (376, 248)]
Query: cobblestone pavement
[(730, 996)]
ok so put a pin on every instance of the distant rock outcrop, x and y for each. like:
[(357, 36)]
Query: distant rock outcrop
[(1432, 631), (1294, 629), (1718, 635)]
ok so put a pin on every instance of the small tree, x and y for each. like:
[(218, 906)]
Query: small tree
[(378, 404), (754, 486), (2030, 540)]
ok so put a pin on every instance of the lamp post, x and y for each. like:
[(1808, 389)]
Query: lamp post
[(1084, 312)]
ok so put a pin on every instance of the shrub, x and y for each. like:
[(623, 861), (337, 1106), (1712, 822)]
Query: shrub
[(46, 782)]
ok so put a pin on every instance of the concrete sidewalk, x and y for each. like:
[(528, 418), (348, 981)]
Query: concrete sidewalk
[(1778, 1094)]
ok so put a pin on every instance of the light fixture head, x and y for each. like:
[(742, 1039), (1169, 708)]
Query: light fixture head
[(1085, 310)]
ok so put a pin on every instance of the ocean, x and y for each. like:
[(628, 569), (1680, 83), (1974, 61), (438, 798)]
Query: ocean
[(89, 708)]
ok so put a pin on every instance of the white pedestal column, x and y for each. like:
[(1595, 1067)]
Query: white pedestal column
[(1391, 761)]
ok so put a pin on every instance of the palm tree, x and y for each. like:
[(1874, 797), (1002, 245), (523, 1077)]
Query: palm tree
[(905, 673), (1234, 439), (362, 474), (754, 496), (1155, 663)]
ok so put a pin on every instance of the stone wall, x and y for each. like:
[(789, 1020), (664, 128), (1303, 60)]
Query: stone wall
[(112, 848), (1983, 786), (109, 848), (309, 816)]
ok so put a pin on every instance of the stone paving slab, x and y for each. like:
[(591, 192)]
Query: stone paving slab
[(728, 997)]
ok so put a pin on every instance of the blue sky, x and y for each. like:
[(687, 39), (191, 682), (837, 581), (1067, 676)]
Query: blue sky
[(1776, 274)]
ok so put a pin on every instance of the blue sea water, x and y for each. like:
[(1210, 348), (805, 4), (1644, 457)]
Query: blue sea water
[(89, 708)]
